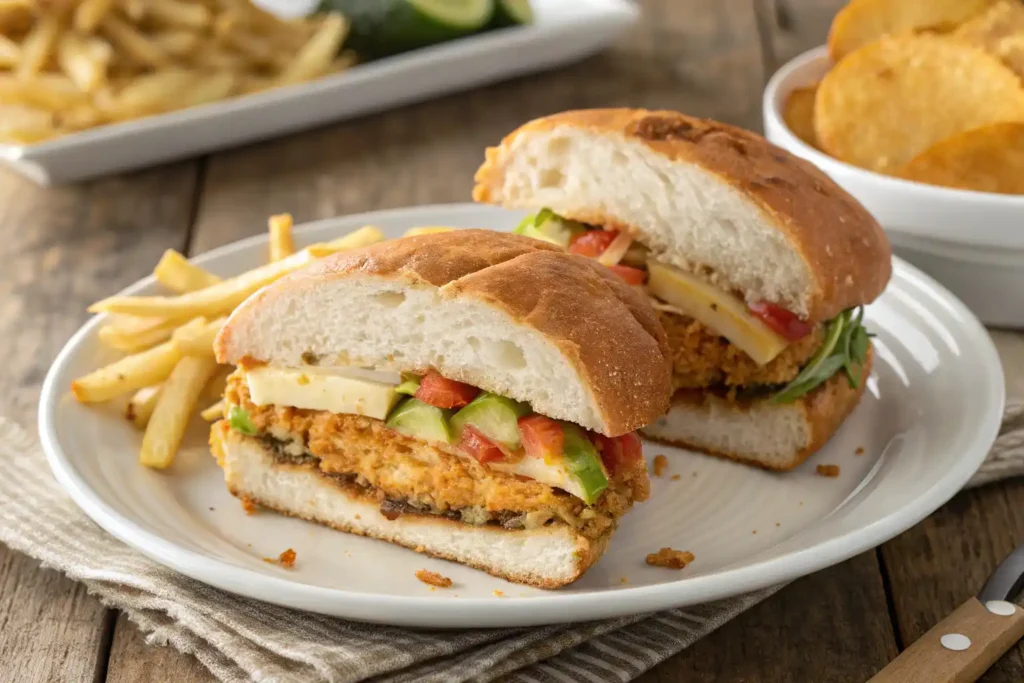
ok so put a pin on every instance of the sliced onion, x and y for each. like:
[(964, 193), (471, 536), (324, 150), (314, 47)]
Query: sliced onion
[(616, 250)]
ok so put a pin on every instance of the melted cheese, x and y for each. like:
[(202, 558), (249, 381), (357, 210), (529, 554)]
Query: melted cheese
[(724, 313), (554, 474), (319, 389)]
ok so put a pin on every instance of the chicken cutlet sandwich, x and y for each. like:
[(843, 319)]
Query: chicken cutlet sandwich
[(472, 395), (757, 263)]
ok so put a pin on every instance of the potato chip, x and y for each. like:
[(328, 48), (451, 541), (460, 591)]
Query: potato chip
[(1000, 31), (865, 21), (891, 100), (798, 113), (987, 159)]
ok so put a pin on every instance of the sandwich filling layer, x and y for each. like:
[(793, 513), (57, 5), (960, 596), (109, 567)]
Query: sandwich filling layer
[(721, 341), (412, 474)]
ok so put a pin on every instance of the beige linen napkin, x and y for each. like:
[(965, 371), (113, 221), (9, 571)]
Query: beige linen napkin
[(240, 639)]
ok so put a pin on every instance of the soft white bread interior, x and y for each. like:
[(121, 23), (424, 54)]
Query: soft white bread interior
[(546, 557), (504, 313), (776, 437), (703, 196)]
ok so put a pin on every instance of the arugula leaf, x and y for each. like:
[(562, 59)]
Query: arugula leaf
[(845, 348)]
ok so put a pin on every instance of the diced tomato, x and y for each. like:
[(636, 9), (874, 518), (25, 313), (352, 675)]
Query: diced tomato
[(477, 445), (786, 323), (620, 452), (592, 243), (632, 276), (542, 436), (441, 392)]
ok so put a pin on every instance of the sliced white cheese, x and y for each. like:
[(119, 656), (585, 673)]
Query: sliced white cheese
[(551, 473), (724, 313), (321, 389)]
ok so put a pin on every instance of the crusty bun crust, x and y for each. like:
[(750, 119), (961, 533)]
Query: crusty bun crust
[(606, 330), (843, 247), (547, 557), (816, 417)]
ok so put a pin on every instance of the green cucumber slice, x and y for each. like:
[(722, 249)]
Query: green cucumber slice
[(548, 226), (512, 13), (496, 417), (421, 420), (584, 463), (378, 28)]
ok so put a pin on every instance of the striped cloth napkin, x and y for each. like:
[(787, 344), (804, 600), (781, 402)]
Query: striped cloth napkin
[(240, 639)]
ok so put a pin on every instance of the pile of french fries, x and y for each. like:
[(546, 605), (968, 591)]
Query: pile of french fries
[(171, 368), (68, 65)]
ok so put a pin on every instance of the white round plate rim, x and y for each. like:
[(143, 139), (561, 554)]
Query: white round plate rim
[(429, 611)]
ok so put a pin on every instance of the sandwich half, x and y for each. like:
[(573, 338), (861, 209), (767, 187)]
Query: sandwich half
[(471, 395), (757, 263)]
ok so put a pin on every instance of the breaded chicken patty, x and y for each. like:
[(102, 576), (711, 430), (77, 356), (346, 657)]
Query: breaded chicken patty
[(701, 358), (410, 476)]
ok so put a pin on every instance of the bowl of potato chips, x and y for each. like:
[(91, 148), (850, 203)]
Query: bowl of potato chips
[(916, 107)]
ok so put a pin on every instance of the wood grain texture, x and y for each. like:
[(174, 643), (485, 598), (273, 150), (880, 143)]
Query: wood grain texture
[(979, 638), (61, 249), (830, 627), (133, 660)]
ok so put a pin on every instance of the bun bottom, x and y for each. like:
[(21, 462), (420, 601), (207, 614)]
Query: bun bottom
[(550, 556), (775, 437)]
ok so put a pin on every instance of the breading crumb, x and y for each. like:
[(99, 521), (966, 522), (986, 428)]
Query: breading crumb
[(249, 505), (285, 559), (860, 450), (433, 579), (420, 549), (777, 524), (211, 509), (624, 579), (660, 465), (676, 477), (671, 559), (754, 531), (498, 594), (828, 470)]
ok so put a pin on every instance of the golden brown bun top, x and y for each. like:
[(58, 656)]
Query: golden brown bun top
[(606, 329), (845, 249)]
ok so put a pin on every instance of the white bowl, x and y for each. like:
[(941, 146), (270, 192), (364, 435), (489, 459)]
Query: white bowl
[(972, 242)]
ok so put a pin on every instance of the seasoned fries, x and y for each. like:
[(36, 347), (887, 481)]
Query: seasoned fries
[(174, 406), (281, 244), (128, 374), (178, 275), (86, 63), (172, 368)]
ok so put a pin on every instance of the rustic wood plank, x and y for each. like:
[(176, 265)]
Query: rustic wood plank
[(61, 249), (793, 26), (133, 660)]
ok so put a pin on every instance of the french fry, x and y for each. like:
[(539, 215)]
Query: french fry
[(180, 14), (10, 52), (37, 47), (135, 337), (132, 42), (84, 60), (196, 338), (218, 383), (177, 42), (128, 374), (281, 243), (173, 409), (362, 237), (314, 58), (214, 412), (224, 296), (210, 88), (134, 9), (52, 92), (140, 407), (155, 92), (178, 275), (90, 13), (426, 230)]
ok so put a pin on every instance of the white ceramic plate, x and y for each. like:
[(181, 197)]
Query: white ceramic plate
[(931, 412), (562, 32)]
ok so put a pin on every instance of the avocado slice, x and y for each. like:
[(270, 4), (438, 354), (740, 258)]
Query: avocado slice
[(511, 13), (548, 226), (496, 417), (421, 420), (410, 384), (584, 463)]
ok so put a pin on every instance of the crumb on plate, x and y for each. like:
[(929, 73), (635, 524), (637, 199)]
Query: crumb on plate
[(498, 594), (676, 477), (828, 470), (860, 450), (670, 558), (624, 579), (285, 559), (433, 579), (660, 465)]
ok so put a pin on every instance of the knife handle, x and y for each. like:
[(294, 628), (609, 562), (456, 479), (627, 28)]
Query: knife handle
[(961, 647)]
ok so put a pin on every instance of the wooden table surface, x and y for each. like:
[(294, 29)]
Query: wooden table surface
[(63, 248)]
